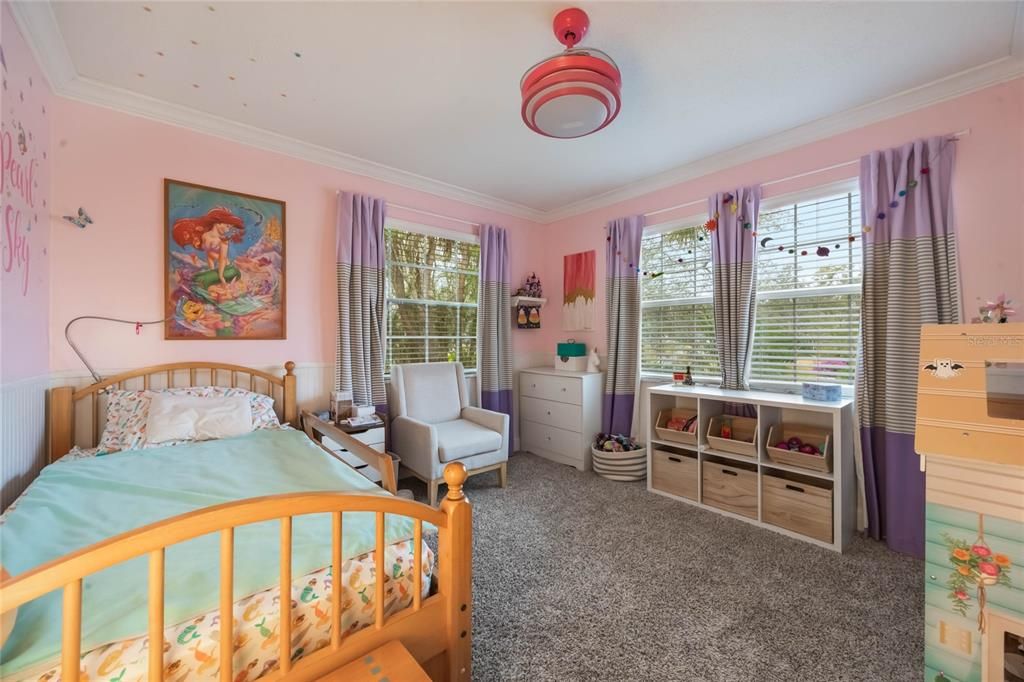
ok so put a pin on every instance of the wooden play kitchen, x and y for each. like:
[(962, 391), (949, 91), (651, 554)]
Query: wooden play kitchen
[(785, 463)]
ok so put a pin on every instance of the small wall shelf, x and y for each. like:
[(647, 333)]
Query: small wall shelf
[(787, 499), (528, 301)]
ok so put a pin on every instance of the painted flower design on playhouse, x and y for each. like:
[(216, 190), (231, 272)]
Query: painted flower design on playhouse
[(975, 566)]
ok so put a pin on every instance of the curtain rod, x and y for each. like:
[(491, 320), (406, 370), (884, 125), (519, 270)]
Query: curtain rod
[(955, 136), (432, 215)]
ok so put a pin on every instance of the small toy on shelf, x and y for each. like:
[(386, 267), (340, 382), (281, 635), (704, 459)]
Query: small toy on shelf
[(531, 287), (684, 425), (997, 311), (682, 378)]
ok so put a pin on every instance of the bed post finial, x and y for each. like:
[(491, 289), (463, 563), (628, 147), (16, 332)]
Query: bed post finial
[(455, 550), (291, 406), (455, 475)]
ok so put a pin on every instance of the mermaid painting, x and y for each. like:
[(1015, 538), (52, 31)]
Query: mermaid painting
[(225, 264)]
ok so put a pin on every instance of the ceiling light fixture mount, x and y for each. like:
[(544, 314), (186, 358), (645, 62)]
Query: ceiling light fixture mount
[(576, 92)]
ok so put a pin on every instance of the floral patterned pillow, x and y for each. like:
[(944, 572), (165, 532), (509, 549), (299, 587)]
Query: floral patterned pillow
[(128, 412)]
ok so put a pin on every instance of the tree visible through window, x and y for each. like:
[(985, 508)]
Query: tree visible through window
[(431, 290), (808, 291), (678, 321)]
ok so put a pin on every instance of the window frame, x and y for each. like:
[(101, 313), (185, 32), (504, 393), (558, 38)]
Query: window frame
[(661, 228), (428, 231), (843, 186)]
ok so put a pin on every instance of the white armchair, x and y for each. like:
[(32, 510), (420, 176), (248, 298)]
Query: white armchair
[(434, 424)]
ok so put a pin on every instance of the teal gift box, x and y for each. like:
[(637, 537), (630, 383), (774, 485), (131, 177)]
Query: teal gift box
[(571, 349)]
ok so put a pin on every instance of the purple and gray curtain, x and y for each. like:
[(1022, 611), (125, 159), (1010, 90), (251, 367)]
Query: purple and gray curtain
[(734, 260), (494, 325), (623, 290), (359, 362), (910, 279)]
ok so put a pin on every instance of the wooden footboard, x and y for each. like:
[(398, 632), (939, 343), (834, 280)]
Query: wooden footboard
[(436, 629)]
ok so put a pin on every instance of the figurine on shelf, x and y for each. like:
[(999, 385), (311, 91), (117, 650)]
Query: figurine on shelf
[(997, 311), (688, 377), (531, 287), (593, 362)]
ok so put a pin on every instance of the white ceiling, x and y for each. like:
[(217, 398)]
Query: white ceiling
[(432, 88)]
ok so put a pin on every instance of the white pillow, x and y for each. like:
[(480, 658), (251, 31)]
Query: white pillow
[(185, 417)]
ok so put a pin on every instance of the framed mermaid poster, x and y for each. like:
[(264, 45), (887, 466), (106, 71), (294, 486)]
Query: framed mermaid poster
[(224, 264)]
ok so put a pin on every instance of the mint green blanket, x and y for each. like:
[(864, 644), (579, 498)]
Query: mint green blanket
[(76, 503)]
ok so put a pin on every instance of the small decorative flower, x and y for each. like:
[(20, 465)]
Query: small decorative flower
[(963, 570), (961, 554), (961, 595), (981, 550), (1002, 560), (989, 569)]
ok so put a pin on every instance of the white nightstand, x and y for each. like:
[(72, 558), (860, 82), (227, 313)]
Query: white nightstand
[(361, 449)]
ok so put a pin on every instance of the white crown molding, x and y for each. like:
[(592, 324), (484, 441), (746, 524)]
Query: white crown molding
[(983, 76), (39, 26)]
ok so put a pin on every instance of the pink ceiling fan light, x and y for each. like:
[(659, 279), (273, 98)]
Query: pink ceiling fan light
[(575, 93)]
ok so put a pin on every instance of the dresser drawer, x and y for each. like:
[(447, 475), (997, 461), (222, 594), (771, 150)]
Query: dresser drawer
[(536, 436), (563, 415), (559, 389)]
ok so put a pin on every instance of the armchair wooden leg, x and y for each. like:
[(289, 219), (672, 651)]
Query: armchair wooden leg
[(432, 492), (503, 475)]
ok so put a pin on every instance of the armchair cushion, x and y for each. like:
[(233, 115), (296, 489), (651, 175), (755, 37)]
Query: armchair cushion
[(430, 392), (462, 438)]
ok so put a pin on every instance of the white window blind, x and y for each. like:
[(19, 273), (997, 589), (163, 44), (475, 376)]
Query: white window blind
[(431, 288), (808, 310), (678, 322)]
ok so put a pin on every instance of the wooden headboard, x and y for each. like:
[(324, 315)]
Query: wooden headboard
[(77, 410)]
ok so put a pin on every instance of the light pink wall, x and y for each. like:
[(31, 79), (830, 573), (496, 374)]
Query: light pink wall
[(989, 198), (25, 212), (114, 165)]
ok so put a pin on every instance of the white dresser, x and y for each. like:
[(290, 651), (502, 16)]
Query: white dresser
[(560, 413)]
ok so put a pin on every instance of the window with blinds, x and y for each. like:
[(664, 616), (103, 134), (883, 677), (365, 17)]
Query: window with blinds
[(808, 291), (677, 319), (431, 289)]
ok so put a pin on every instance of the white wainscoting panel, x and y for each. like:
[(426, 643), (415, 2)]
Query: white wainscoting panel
[(23, 435)]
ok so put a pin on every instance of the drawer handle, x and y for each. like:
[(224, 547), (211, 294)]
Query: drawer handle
[(563, 389), (549, 413), (675, 459), (549, 437), (794, 487), (533, 385), (730, 472)]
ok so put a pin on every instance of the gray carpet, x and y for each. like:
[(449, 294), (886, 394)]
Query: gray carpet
[(579, 578)]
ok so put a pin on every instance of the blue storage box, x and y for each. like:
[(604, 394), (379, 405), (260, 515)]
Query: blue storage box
[(571, 349), (824, 392)]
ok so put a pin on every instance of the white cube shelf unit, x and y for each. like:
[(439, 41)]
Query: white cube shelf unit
[(816, 506)]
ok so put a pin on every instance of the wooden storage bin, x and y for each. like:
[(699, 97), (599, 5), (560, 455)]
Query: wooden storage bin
[(814, 434), (744, 431), (671, 434), (730, 486), (675, 473), (797, 503)]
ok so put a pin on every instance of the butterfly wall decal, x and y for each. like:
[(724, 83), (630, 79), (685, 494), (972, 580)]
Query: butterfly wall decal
[(81, 220)]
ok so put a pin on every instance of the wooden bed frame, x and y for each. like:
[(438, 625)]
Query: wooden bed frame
[(435, 629)]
